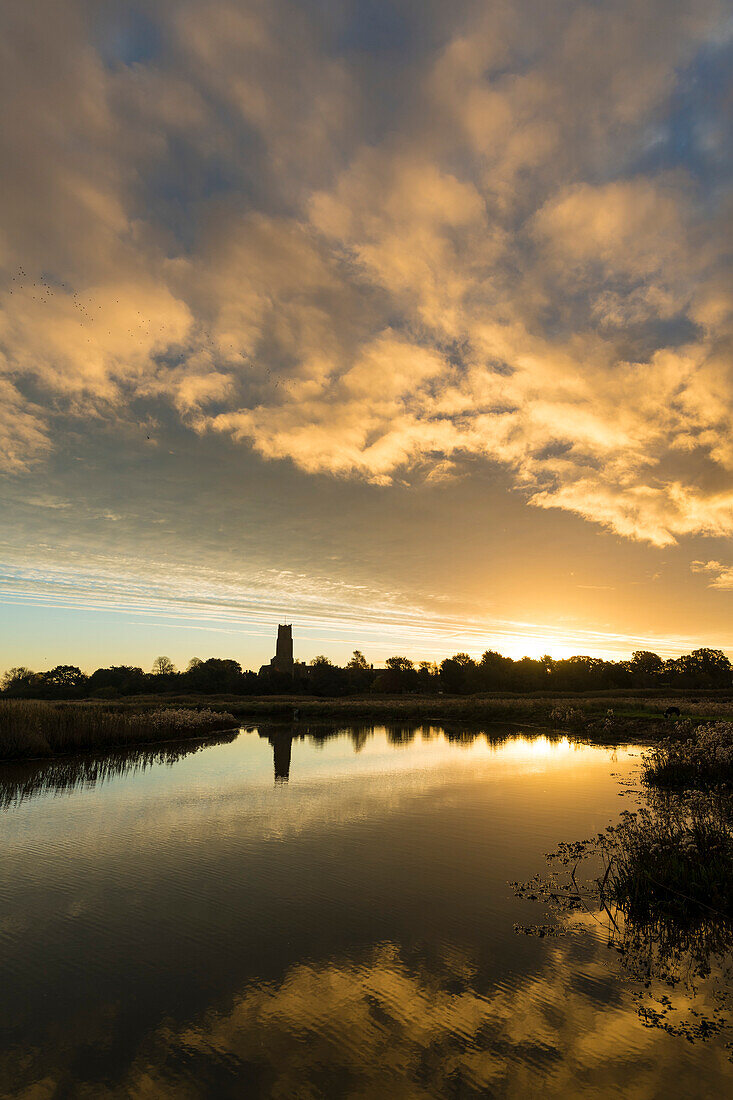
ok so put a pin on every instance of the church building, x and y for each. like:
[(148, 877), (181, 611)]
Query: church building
[(283, 659)]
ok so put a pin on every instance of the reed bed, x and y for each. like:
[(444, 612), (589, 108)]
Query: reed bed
[(38, 728), (704, 759), (560, 710), (672, 862), (695, 708), (30, 728)]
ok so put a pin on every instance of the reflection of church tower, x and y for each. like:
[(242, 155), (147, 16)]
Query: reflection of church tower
[(282, 744), (283, 659)]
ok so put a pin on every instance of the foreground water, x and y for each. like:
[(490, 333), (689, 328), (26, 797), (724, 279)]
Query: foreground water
[(320, 917)]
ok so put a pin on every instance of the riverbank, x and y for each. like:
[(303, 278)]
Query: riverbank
[(569, 708), (662, 879), (703, 760), (35, 728), (29, 728)]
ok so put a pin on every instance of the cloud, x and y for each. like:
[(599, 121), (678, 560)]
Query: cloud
[(488, 267), (85, 346), (242, 601), (631, 230), (23, 433), (722, 575)]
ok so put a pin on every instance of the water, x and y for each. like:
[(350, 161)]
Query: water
[(190, 924)]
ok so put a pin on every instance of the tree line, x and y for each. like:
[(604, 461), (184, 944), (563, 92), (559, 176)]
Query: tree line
[(457, 675)]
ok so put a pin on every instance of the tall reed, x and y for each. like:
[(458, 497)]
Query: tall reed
[(31, 728)]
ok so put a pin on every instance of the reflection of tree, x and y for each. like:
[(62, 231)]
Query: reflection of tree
[(281, 736), (400, 734), (25, 779), (694, 962), (22, 780)]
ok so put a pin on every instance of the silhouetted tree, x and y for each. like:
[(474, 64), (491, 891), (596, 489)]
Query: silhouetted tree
[(400, 664), (163, 666), (325, 678), (19, 680), (398, 677), (494, 671), (646, 668), (700, 669), (427, 677), (455, 672), (63, 682), (117, 680), (214, 675), (360, 674)]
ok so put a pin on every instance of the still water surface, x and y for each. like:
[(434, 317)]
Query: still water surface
[(318, 917)]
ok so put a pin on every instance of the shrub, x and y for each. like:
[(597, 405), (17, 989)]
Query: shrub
[(703, 760), (567, 716), (672, 862)]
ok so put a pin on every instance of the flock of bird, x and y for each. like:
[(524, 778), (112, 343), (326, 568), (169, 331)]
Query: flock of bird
[(90, 313)]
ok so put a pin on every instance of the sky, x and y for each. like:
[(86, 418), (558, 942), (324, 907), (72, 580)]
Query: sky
[(410, 323)]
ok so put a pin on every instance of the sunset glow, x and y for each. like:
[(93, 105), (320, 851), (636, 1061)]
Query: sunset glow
[(411, 323)]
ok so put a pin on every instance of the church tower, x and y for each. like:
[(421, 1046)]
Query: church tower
[(283, 659)]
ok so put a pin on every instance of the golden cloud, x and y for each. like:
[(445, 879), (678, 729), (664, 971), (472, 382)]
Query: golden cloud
[(721, 575), (481, 280)]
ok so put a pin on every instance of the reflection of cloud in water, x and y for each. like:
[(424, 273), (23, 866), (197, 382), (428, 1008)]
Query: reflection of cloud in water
[(226, 795), (24, 779), (379, 781), (365, 1010), (384, 1029)]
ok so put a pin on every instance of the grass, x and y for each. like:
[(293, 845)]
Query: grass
[(660, 884), (29, 728), (701, 761), (546, 709), (672, 862), (36, 728)]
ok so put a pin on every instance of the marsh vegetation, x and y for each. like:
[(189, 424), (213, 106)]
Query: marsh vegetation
[(700, 757), (46, 727), (32, 728), (661, 879)]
